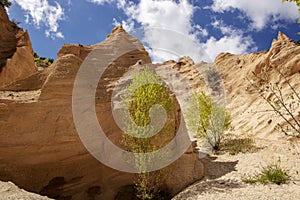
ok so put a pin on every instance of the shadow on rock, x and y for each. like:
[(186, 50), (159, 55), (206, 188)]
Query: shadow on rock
[(215, 169), (208, 186)]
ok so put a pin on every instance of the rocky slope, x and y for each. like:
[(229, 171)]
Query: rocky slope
[(40, 149), (16, 54), (248, 110), (251, 117)]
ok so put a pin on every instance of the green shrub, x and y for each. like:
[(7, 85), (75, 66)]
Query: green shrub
[(144, 92), (207, 119), (269, 174), (42, 61)]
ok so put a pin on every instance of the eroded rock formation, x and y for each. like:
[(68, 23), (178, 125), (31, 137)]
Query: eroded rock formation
[(40, 149), (16, 54), (249, 111)]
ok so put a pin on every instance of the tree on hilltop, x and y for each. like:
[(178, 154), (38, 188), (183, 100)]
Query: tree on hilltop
[(5, 3)]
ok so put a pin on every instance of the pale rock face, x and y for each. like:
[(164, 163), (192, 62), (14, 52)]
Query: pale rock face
[(16, 54), (8, 190), (248, 110), (40, 149)]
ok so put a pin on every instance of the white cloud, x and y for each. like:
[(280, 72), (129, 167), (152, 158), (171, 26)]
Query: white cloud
[(41, 12), (260, 12), (202, 32), (59, 35), (236, 44), (225, 29), (168, 31), (127, 25), (100, 2), (167, 28), (165, 14), (233, 40)]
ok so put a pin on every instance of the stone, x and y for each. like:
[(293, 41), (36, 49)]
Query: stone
[(40, 149), (16, 54)]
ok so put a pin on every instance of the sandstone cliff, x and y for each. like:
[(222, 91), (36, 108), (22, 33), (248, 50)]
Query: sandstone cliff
[(16, 54), (40, 149), (247, 108)]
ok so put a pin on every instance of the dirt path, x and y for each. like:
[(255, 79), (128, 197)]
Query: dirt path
[(224, 174)]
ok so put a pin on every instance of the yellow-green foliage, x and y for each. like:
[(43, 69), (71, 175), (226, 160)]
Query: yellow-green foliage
[(144, 92), (42, 61), (207, 119), (144, 98), (269, 174), (203, 104)]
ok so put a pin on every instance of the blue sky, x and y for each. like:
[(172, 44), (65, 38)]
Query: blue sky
[(182, 27)]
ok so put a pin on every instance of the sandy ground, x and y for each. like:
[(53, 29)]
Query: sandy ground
[(224, 174), (22, 96), (9, 191)]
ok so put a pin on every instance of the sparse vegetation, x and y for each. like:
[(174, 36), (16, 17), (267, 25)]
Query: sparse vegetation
[(234, 145), (42, 61), (144, 92), (269, 174), (286, 106), (207, 119), (5, 3)]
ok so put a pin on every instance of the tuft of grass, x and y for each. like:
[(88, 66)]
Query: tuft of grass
[(269, 174), (238, 145)]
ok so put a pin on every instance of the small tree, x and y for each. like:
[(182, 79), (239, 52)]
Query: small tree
[(143, 93), (5, 3), (207, 119)]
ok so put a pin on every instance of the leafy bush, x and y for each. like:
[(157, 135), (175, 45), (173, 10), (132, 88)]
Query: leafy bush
[(207, 119), (42, 61), (269, 174), (143, 93)]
